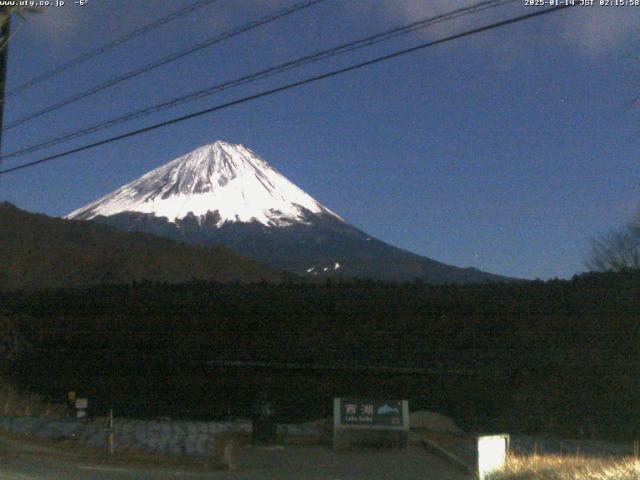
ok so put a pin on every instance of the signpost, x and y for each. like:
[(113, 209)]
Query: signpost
[(367, 420), (81, 407)]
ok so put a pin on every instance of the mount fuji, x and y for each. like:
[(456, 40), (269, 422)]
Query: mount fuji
[(224, 193)]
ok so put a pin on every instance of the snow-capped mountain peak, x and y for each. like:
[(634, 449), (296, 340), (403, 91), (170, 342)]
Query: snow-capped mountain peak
[(221, 178)]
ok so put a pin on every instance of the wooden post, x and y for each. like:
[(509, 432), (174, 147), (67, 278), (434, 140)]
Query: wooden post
[(227, 453), (636, 449), (111, 439)]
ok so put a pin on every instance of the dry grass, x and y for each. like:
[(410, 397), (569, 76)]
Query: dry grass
[(556, 467)]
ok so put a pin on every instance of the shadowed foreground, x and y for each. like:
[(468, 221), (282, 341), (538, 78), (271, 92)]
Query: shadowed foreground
[(20, 460)]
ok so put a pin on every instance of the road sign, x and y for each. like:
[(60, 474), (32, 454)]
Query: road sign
[(371, 413), (370, 420)]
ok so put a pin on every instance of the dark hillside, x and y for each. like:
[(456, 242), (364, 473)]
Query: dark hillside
[(37, 251)]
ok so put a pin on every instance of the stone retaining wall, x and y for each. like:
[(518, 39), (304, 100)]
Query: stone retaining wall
[(169, 437)]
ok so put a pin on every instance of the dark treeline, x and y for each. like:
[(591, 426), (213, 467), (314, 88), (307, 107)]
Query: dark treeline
[(556, 356)]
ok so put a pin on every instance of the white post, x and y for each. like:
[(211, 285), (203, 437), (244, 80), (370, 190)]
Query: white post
[(492, 454)]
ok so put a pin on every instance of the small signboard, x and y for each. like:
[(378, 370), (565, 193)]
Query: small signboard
[(492, 454), (82, 403), (371, 413), (353, 418)]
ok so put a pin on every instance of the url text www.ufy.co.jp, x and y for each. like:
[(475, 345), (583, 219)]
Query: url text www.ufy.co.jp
[(41, 3)]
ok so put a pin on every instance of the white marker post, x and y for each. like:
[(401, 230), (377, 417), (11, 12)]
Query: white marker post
[(492, 454)]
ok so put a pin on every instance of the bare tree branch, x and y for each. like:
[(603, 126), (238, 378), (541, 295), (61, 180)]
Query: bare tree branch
[(617, 250)]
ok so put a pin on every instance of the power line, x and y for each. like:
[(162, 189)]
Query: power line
[(289, 86), (109, 46), (165, 60), (263, 74)]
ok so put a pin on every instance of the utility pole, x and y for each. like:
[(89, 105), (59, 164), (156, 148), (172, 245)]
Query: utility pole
[(5, 32)]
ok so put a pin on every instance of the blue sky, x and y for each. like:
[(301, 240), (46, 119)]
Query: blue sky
[(505, 151)]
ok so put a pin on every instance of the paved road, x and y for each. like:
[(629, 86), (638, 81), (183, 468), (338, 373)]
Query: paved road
[(321, 463), (299, 463), (23, 468)]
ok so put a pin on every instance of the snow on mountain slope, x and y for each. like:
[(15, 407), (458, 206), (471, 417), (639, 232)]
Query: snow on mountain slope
[(221, 177), (224, 194)]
